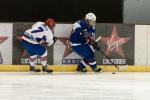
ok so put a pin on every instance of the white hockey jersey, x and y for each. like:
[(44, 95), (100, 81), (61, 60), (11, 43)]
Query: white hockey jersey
[(39, 32)]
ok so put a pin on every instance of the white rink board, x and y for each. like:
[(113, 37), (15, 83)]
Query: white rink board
[(62, 30), (6, 46), (74, 86), (148, 45), (142, 45)]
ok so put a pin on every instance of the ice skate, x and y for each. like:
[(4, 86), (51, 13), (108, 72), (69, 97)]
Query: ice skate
[(79, 69), (34, 69), (45, 69), (97, 70)]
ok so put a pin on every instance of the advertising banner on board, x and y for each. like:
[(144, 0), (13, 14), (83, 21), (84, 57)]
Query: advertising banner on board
[(117, 42)]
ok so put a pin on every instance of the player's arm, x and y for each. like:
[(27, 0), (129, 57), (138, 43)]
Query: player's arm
[(76, 27), (91, 35), (92, 40), (50, 38)]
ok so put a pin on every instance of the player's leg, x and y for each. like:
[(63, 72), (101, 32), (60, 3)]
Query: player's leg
[(93, 65), (44, 63), (87, 53), (33, 57), (32, 61), (90, 58), (82, 66), (42, 52), (80, 50)]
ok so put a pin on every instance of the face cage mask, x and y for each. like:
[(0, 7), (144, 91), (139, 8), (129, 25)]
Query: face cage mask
[(91, 23)]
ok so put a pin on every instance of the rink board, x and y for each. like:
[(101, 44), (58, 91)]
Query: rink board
[(71, 68)]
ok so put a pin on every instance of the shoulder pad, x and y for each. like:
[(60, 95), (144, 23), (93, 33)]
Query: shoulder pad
[(38, 24)]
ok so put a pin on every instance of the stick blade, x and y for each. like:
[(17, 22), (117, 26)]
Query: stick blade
[(123, 67)]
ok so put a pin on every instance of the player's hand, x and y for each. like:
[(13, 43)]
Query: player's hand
[(90, 40), (49, 44), (96, 46), (43, 42), (55, 39)]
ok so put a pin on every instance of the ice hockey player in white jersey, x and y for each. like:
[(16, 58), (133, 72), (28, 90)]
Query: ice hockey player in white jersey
[(33, 40)]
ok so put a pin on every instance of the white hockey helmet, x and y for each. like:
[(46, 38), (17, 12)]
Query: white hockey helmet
[(91, 19)]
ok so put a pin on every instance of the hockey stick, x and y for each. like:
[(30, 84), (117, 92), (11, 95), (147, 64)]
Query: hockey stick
[(119, 68), (102, 52)]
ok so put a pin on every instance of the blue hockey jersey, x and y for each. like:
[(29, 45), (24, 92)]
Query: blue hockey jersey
[(80, 31)]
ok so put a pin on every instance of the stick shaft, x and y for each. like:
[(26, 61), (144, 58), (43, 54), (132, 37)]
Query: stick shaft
[(105, 54), (109, 59)]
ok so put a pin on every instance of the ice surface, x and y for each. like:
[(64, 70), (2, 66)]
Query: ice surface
[(74, 86)]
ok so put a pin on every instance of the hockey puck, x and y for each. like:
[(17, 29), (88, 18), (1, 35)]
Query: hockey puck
[(113, 73)]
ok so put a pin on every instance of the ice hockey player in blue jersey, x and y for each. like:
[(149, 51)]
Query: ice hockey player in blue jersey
[(33, 39), (82, 40)]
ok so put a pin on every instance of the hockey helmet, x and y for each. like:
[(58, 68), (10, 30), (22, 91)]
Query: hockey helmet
[(50, 22), (91, 19)]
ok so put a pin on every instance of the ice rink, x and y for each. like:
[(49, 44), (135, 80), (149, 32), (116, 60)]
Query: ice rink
[(74, 86)]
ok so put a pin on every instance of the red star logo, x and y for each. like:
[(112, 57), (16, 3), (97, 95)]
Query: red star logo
[(68, 49), (3, 38), (114, 43)]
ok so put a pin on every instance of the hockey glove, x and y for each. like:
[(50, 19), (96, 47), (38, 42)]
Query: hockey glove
[(55, 39), (96, 46), (92, 42)]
